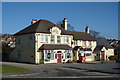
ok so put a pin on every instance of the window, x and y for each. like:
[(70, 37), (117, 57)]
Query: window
[(58, 39), (75, 42), (68, 55), (84, 43), (88, 54), (79, 54), (62, 55), (48, 55), (52, 38), (55, 56), (66, 40), (44, 38), (89, 43)]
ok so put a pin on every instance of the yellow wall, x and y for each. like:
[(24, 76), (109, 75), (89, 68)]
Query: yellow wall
[(38, 44), (29, 48)]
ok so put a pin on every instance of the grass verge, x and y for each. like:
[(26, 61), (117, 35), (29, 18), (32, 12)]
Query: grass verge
[(12, 69)]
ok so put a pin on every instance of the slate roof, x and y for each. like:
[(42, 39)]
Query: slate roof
[(103, 42), (55, 47), (99, 47), (43, 26), (81, 36)]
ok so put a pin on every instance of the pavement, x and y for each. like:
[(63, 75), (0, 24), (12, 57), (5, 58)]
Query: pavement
[(110, 69)]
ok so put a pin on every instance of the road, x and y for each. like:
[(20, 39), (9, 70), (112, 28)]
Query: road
[(64, 70)]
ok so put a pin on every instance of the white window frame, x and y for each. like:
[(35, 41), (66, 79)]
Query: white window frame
[(75, 42), (66, 53), (66, 39), (84, 43), (58, 39), (44, 38), (89, 43), (52, 38)]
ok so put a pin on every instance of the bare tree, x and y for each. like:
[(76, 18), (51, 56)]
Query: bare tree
[(70, 28), (96, 34)]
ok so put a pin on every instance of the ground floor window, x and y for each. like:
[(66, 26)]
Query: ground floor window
[(48, 54), (68, 55), (55, 56), (87, 54)]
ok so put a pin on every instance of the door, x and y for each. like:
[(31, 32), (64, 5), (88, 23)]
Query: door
[(102, 55), (59, 60)]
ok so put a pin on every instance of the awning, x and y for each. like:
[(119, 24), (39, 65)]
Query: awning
[(55, 47)]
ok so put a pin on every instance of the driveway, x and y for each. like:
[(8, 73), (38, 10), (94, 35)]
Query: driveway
[(64, 70)]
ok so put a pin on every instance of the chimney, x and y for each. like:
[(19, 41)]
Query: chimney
[(33, 21), (64, 24), (87, 30)]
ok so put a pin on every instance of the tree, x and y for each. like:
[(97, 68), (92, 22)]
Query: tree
[(70, 28), (95, 34)]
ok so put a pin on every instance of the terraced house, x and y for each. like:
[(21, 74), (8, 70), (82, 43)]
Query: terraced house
[(43, 42)]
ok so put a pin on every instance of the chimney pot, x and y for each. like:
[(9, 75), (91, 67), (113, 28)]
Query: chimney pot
[(33, 21)]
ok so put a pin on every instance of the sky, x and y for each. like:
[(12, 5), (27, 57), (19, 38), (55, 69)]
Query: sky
[(99, 16)]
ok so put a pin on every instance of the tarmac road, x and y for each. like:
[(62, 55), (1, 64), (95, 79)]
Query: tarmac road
[(62, 70)]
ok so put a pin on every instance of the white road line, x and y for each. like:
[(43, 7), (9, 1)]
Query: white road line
[(25, 74)]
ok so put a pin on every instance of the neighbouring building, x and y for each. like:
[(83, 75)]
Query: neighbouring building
[(103, 49), (43, 42)]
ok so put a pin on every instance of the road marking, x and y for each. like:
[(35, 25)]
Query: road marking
[(25, 74)]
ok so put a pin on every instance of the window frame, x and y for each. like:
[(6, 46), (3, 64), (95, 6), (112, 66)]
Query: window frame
[(58, 39), (84, 43), (44, 38), (66, 39), (52, 38), (89, 43)]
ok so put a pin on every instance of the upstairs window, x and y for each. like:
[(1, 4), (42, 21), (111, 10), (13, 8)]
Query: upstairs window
[(52, 39), (75, 42), (44, 38), (66, 40), (84, 43), (58, 39), (89, 43)]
